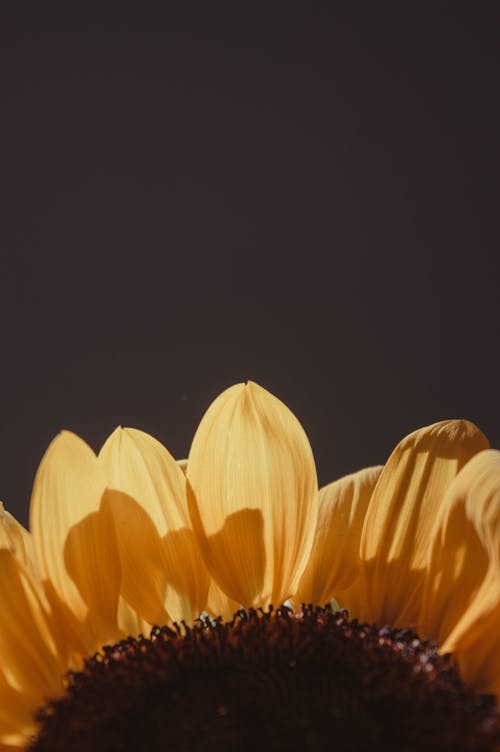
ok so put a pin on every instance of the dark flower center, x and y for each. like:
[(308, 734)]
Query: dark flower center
[(269, 681)]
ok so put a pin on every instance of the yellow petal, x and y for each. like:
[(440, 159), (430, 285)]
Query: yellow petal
[(73, 640), (219, 604), (333, 565), (17, 539), (394, 544), (73, 536), (16, 713), (92, 561), (254, 500), (461, 604), (163, 574), (130, 623), (29, 658)]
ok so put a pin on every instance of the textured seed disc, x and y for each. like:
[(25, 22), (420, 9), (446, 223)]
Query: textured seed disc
[(273, 681)]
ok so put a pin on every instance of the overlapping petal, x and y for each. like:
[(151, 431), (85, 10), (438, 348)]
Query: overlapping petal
[(461, 603), (73, 538), (253, 495), (394, 545), (333, 567), (163, 575), (16, 716), (16, 539), (31, 667)]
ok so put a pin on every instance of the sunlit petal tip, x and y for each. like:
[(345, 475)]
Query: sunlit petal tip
[(394, 544), (69, 442), (254, 501), (113, 439)]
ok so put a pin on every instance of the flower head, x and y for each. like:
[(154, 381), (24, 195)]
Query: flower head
[(130, 538)]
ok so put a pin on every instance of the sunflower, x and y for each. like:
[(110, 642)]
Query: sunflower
[(145, 607)]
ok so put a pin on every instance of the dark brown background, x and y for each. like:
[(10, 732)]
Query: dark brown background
[(302, 196)]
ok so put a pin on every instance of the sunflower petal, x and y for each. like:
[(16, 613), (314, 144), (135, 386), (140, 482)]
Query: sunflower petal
[(73, 536), (219, 604), (394, 545), (131, 624), (333, 565), (162, 569), (253, 495), (17, 539), (461, 604), (92, 561), (28, 652), (16, 713)]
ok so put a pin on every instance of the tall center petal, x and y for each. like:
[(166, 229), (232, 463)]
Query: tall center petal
[(254, 505)]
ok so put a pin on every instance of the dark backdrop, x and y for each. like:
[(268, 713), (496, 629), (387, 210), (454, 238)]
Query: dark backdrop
[(301, 196)]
